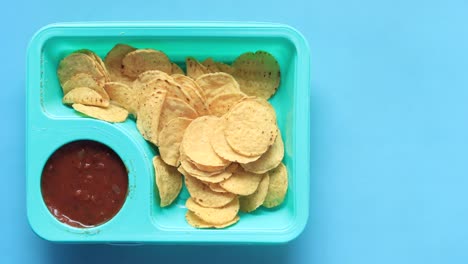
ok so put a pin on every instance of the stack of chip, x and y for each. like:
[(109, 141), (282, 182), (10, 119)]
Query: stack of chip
[(214, 125)]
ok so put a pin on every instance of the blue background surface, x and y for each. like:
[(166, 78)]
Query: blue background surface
[(389, 130)]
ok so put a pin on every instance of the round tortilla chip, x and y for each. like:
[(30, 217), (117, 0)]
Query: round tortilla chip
[(214, 84), (192, 95), (113, 60), (251, 202), (141, 60), (211, 168), (269, 160), (170, 138), (78, 63), (122, 79), (216, 178), (222, 103), (225, 67), (258, 74), (84, 80), (210, 65), (150, 75), (197, 222), (216, 216), (193, 170), (197, 146), (204, 196), (175, 69), (211, 177), (250, 128), (86, 96), (149, 116), (122, 95), (148, 82), (242, 182), (277, 187), (102, 67), (215, 187), (173, 89), (174, 108), (222, 148), (263, 102), (187, 81), (196, 101), (168, 181), (112, 113), (99, 63), (194, 68)]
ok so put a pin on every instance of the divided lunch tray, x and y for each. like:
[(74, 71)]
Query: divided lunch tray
[(50, 124)]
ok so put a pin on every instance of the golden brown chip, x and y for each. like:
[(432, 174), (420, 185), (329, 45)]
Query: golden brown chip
[(250, 128), (86, 96), (193, 98), (204, 196), (216, 178), (196, 143), (222, 148), (175, 69), (149, 116), (122, 79), (222, 103), (195, 68), (258, 74), (173, 89), (174, 108), (114, 57), (216, 66), (251, 202), (182, 171), (263, 102), (112, 113), (187, 168), (122, 95), (210, 168), (84, 80), (242, 182), (184, 93), (187, 81), (214, 84), (113, 62), (215, 187), (78, 63), (225, 68), (269, 160), (216, 216), (151, 75), (102, 67), (150, 81), (277, 187), (99, 63), (205, 176), (210, 65), (141, 60), (170, 138), (168, 181), (192, 94), (188, 165), (197, 222)]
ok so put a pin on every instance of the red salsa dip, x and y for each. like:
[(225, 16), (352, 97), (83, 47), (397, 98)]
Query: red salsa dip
[(84, 183)]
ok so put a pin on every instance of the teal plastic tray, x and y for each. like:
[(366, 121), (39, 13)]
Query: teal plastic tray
[(51, 125)]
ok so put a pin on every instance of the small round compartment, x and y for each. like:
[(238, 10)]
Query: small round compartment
[(84, 183)]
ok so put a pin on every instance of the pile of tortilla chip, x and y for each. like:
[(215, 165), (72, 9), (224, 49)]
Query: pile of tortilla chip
[(213, 125)]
